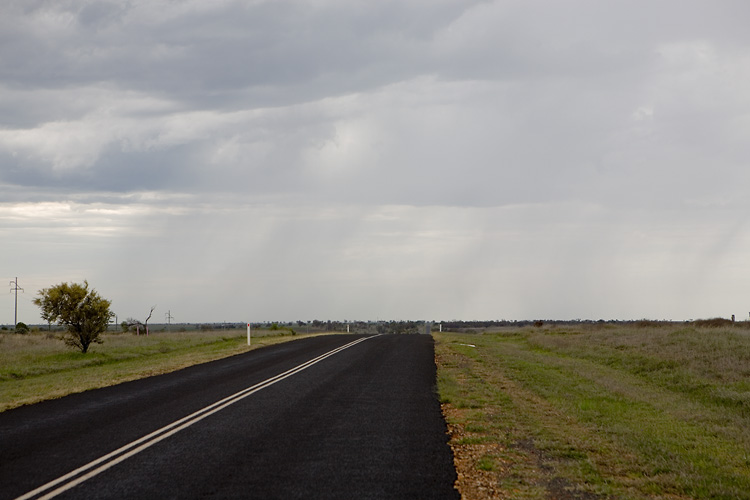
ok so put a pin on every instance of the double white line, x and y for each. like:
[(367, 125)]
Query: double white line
[(91, 469)]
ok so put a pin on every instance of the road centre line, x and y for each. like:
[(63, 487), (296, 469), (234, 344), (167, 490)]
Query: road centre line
[(109, 460)]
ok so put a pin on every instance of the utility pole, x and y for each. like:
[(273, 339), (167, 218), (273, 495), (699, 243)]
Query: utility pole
[(15, 288), (169, 317)]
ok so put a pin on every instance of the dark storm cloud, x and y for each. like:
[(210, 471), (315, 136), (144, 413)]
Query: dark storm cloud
[(295, 51), (194, 51)]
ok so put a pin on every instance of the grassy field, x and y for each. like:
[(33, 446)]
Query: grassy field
[(599, 411), (35, 367), (565, 412)]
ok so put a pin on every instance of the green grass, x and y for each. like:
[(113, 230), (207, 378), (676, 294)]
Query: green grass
[(36, 367), (622, 412)]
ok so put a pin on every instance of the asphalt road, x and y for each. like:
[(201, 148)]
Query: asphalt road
[(361, 423)]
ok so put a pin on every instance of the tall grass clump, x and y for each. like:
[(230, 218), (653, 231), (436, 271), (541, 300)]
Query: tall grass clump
[(713, 323)]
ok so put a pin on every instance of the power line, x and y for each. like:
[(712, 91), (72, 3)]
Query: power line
[(169, 317), (15, 288)]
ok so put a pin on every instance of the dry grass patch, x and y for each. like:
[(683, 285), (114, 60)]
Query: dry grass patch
[(37, 367)]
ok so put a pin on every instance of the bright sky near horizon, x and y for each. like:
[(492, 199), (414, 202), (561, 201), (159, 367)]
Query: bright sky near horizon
[(252, 160)]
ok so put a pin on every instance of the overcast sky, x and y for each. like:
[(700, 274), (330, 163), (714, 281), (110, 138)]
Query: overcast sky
[(411, 159)]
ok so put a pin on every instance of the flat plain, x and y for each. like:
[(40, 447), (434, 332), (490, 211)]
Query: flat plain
[(39, 366), (651, 410), (569, 411)]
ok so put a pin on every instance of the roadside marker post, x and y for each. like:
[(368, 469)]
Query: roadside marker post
[(248, 334)]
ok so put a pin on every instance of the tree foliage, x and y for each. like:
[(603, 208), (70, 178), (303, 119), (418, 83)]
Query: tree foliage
[(83, 311)]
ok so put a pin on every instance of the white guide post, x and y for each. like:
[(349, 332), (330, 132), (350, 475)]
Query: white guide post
[(248, 334)]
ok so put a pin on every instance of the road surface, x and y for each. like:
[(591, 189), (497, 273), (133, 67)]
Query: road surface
[(304, 419)]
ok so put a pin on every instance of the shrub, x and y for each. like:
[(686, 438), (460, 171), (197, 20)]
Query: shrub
[(81, 310), (648, 323), (713, 322), (22, 328)]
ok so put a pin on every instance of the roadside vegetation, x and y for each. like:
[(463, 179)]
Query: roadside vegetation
[(83, 311), (39, 366), (644, 410)]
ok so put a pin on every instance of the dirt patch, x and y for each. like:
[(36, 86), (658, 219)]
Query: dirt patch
[(489, 470), (560, 489), (473, 483)]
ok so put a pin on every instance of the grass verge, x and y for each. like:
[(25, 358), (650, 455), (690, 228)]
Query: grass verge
[(614, 412), (37, 367)]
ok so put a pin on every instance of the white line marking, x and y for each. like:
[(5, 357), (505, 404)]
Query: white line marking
[(149, 440)]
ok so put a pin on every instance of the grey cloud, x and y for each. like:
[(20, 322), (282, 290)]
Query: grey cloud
[(349, 46), (101, 15), (221, 49), (498, 116)]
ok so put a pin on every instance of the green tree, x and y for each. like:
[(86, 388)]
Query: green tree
[(83, 311), (22, 327)]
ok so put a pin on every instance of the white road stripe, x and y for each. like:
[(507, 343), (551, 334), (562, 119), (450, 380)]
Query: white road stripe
[(80, 475)]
